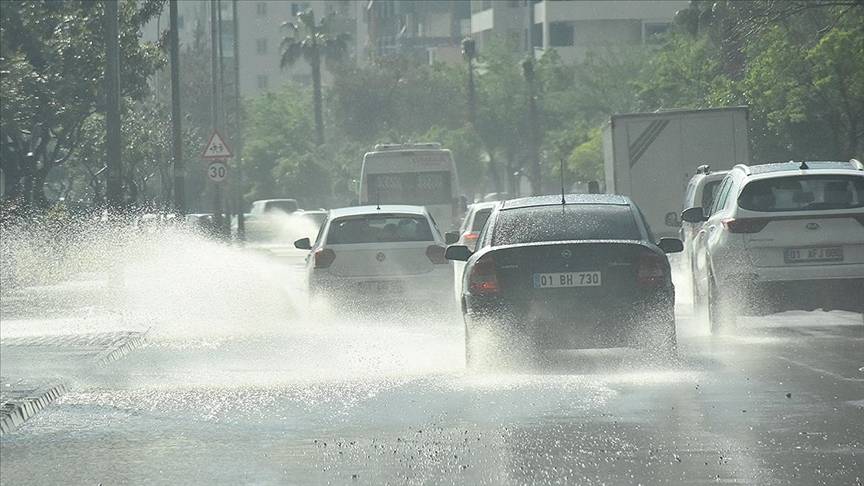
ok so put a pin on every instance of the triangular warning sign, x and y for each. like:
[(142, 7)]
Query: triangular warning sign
[(216, 148)]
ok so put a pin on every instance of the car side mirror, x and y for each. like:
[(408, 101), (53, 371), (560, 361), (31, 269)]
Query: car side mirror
[(303, 244), (671, 245), (672, 220), (451, 237), (458, 252), (694, 215)]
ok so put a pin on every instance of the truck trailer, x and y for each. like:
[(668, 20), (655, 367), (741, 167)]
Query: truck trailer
[(650, 157)]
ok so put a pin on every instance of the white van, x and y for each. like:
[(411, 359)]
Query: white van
[(416, 174)]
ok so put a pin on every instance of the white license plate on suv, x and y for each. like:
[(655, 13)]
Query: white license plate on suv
[(567, 279), (815, 254)]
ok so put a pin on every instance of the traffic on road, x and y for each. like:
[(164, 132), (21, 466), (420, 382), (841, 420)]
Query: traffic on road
[(460, 242)]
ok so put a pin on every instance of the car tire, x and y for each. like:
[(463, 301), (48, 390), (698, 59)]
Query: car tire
[(721, 316)]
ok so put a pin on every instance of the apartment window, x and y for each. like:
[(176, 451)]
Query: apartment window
[(261, 46), (262, 81), (653, 32), (261, 9), (560, 34)]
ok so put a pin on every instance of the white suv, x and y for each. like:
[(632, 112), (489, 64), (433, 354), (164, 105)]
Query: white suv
[(780, 237), (701, 190)]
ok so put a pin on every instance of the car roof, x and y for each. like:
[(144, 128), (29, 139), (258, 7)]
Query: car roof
[(264, 201), (776, 168), (372, 210), (711, 176), (555, 199), (483, 205)]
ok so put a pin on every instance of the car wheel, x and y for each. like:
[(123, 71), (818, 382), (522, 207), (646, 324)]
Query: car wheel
[(721, 316)]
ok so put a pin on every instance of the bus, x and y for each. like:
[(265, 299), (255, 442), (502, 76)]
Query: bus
[(421, 174)]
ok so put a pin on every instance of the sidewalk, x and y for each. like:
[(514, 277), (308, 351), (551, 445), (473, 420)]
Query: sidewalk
[(38, 369)]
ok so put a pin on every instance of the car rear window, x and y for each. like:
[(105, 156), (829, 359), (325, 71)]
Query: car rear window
[(480, 219), (803, 193), (379, 229), (574, 222), (284, 206)]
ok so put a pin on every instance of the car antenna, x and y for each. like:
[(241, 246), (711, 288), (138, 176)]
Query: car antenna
[(803, 165), (563, 201), (378, 198)]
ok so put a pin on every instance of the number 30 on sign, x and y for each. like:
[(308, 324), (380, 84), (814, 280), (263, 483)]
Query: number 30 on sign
[(217, 171)]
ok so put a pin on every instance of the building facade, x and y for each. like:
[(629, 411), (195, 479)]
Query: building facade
[(571, 27)]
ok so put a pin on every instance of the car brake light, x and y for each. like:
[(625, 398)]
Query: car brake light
[(435, 254), (470, 237), (651, 271), (749, 225), (324, 258), (483, 280)]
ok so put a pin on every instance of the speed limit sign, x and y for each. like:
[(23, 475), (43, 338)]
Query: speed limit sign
[(217, 171)]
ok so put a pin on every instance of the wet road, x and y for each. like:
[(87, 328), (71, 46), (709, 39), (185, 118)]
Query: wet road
[(780, 402), (314, 399)]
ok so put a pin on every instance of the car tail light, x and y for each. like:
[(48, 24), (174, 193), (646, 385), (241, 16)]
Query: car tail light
[(651, 271), (470, 237), (324, 258), (435, 254), (748, 225), (483, 280)]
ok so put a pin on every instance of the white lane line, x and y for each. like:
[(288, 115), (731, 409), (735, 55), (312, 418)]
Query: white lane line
[(821, 371)]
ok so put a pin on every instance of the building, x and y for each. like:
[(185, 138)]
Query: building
[(260, 30), (572, 27), (427, 31)]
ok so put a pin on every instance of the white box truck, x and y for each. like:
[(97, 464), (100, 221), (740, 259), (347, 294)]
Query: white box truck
[(651, 157)]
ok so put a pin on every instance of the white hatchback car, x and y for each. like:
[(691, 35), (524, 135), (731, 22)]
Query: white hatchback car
[(780, 237), (370, 254)]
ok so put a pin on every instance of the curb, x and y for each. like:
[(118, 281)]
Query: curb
[(15, 413), (128, 346)]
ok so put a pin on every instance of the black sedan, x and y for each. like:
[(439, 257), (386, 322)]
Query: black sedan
[(584, 272)]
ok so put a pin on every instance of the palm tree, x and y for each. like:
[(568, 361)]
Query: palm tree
[(314, 43)]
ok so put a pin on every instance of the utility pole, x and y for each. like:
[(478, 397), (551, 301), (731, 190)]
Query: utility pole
[(214, 103), (113, 153), (176, 120), (536, 176), (469, 51), (238, 127)]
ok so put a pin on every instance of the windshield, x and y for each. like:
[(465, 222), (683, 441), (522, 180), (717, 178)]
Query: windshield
[(709, 192), (379, 229), (409, 188), (575, 222), (803, 193)]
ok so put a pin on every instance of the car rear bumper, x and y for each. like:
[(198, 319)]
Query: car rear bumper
[(781, 295), (577, 325), (434, 286)]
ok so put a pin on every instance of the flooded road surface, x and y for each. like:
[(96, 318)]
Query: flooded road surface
[(781, 402), (237, 382)]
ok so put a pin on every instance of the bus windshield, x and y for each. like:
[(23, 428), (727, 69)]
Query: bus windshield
[(409, 188)]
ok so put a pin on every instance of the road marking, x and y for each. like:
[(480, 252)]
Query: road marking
[(820, 370)]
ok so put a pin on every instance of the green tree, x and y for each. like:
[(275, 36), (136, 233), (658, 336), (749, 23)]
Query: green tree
[(52, 59), (315, 43)]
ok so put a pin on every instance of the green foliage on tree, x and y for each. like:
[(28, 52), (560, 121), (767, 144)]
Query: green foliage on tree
[(52, 63), (315, 43)]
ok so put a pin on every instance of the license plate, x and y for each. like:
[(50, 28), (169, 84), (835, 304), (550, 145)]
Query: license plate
[(381, 287), (817, 254), (567, 279)]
